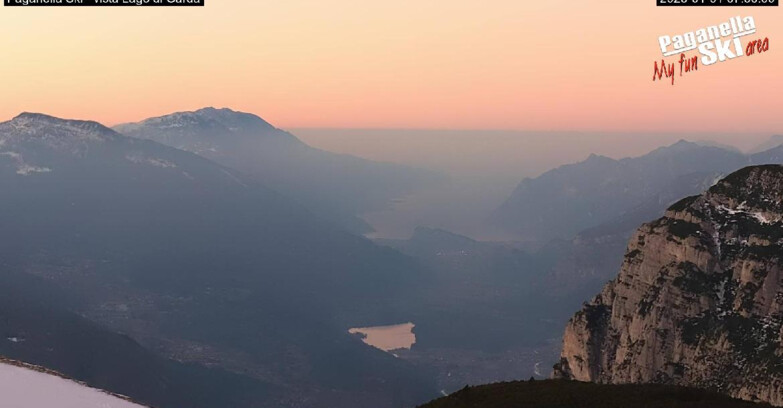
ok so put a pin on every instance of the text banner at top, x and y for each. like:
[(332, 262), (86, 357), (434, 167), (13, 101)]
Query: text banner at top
[(103, 3), (718, 3)]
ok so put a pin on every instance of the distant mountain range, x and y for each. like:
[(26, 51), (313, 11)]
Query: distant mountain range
[(335, 186), (494, 298), (770, 143), (609, 199), (562, 202), (565, 201), (197, 263), (589, 259)]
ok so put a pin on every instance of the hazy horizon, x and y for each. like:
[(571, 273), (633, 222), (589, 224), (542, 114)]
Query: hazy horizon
[(500, 152), (484, 167)]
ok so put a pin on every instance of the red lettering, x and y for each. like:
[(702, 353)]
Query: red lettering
[(757, 46), (688, 64), (663, 70), (751, 48)]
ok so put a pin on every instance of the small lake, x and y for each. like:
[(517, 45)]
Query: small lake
[(388, 338)]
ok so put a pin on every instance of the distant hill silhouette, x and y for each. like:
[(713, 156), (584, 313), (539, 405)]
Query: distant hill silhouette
[(562, 202), (572, 394)]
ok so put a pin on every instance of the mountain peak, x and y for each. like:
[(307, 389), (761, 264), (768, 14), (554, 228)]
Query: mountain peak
[(233, 119), (683, 142), (51, 127), (42, 118), (755, 175), (680, 145), (212, 109), (757, 187), (598, 157), (595, 161), (24, 138), (208, 123), (34, 116)]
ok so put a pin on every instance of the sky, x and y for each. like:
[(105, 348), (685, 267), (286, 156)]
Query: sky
[(580, 65)]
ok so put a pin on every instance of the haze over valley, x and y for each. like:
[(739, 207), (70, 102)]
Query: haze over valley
[(483, 166), (231, 257)]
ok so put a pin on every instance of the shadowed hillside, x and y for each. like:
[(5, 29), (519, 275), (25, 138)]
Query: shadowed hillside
[(572, 394)]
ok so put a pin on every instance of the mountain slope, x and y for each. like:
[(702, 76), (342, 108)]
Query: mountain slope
[(698, 299), (771, 156), (37, 328), (572, 198), (771, 143), (199, 263), (333, 185)]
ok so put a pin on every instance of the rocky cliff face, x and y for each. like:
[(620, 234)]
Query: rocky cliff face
[(699, 298)]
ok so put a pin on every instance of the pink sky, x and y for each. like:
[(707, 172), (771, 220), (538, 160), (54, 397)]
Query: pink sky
[(504, 64)]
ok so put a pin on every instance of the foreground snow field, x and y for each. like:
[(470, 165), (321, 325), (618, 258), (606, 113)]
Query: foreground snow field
[(23, 387)]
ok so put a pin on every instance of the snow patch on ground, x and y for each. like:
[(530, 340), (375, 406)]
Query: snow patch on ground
[(161, 163), (22, 168), (742, 210), (152, 161), (26, 170), (22, 387)]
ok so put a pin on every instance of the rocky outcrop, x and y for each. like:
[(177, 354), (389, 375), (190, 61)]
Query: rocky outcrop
[(699, 298)]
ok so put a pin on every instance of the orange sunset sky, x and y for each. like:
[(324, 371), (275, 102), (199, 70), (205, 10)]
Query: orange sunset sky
[(458, 64)]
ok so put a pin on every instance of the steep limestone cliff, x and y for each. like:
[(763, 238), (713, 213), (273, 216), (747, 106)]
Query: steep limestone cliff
[(699, 298)]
